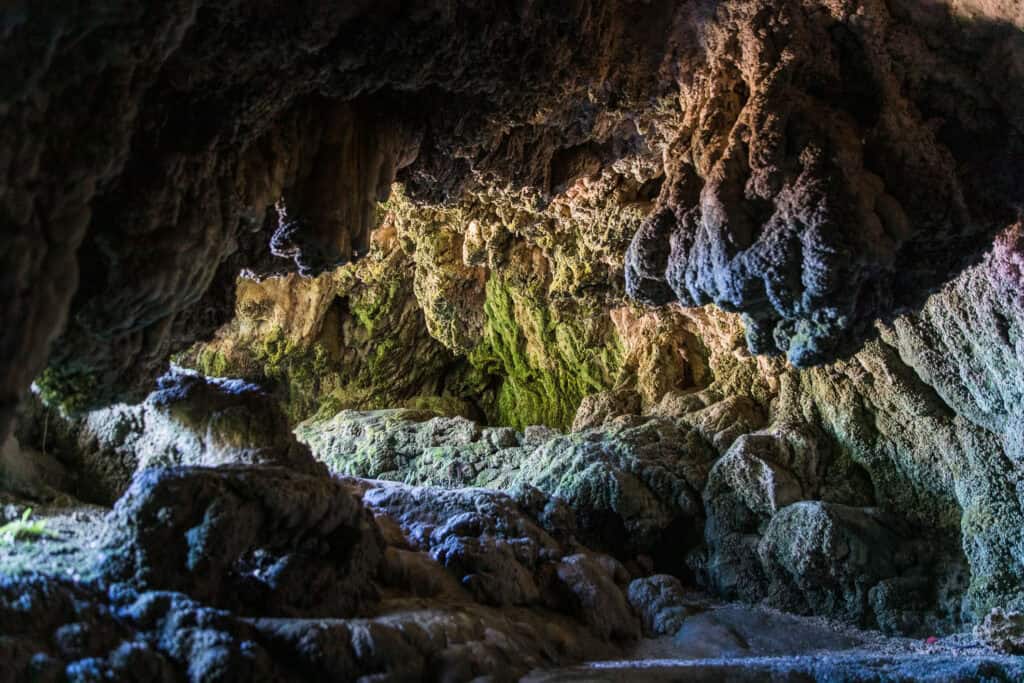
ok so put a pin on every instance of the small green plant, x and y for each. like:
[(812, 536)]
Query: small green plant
[(24, 530)]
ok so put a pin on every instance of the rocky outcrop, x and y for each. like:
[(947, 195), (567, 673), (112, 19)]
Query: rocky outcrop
[(662, 604), (796, 190), (631, 487), (185, 140), (463, 228), (189, 420), (785, 517), (336, 578), (416, 447), (893, 448), (258, 565), (264, 541)]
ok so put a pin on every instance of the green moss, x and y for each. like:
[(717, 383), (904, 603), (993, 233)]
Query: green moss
[(68, 388), (374, 303), (24, 530), (405, 326), (546, 365), (300, 372), (212, 363)]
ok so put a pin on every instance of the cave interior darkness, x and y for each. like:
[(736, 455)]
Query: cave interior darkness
[(545, 340)]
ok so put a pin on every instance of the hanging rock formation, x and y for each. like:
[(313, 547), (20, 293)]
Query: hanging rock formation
[(816, 171), (479, 339)]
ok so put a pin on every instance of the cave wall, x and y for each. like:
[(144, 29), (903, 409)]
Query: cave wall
[(822, 164), (763, 257), (914, 441)]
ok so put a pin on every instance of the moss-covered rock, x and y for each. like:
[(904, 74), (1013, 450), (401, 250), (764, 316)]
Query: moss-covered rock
[(352, 338), (492, 308), (416, 447)]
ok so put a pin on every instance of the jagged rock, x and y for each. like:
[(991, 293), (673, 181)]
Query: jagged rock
[(826, 558), (57, 630), (188, 420), (329, 343), (152, 224), (254, 539), (232, 423), (417, 447), (817, 168), (724, 421), (204, 643), (761, 474), (535, 435), (47, 621), (630, 487), (156, 228), (482, 537), (634, 488), (662, 604), (1003, 631), (593, 585), (595, 410), (745, 218), (435, 585)]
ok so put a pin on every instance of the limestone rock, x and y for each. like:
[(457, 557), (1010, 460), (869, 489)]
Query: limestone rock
[(596, 409), (724, 421), (591, 583), (633, 488), (825, 558), (1003, 631), (761, 474), (662, 604), (253, 539), (189, 420), (743, 219), (416, 447), (481, 537)]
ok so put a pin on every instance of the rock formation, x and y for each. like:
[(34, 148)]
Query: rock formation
[(815, 172), (368, 341)]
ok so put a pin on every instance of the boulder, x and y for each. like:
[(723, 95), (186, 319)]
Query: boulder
[(252, 539)]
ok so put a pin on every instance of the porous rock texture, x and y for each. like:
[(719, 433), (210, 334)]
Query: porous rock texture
[(478, 244), (188, 420), (894, 469), (258, 572), (243, 572), (877, 490), (820, 165)]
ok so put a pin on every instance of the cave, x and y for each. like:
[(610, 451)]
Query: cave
[(542, 340)]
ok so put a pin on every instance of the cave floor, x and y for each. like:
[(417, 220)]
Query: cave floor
[(68, 546), (736, 642), (720, 641)]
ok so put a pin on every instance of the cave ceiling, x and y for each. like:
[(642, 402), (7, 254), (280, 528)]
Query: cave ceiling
[(816, 166)]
